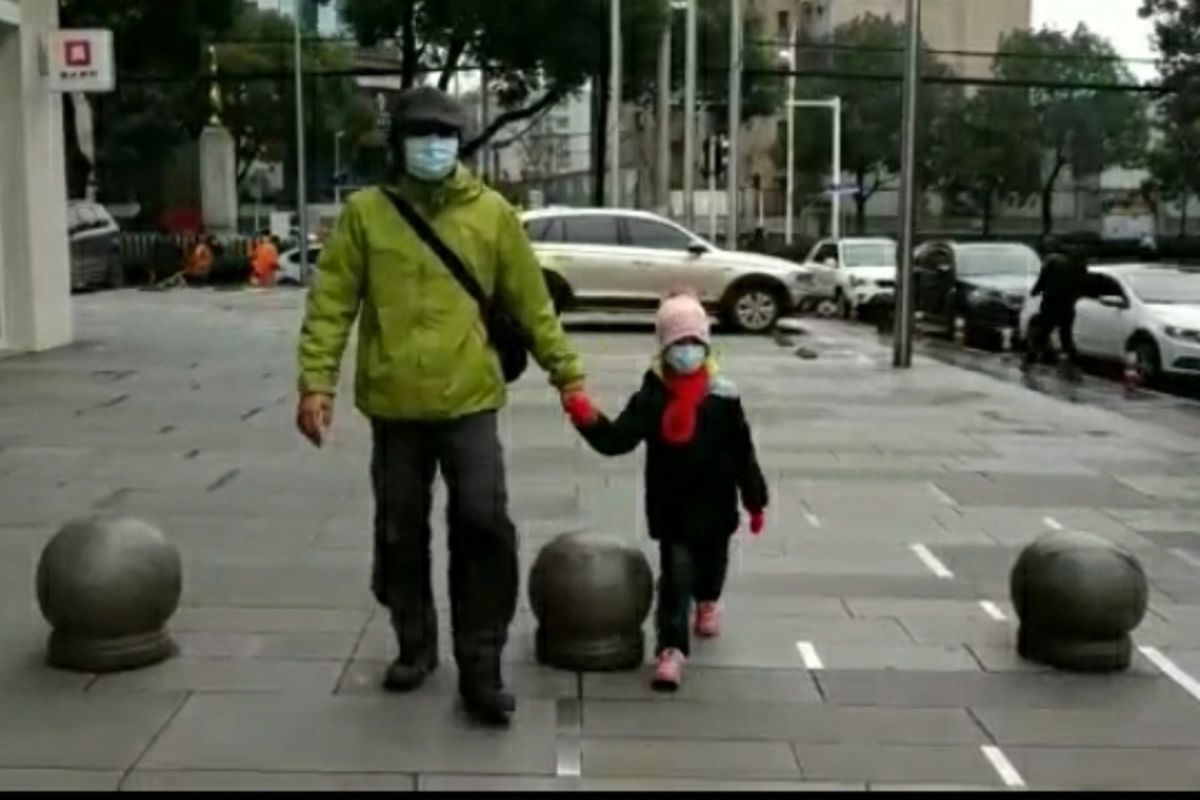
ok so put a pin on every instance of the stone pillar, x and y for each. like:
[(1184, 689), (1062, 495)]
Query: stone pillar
[(35, 287), (218, 180)]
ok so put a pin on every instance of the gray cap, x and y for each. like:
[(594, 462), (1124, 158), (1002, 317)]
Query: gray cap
[(425, 104)]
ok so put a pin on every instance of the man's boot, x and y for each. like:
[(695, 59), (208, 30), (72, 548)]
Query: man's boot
[(483, 694), (407, 673)]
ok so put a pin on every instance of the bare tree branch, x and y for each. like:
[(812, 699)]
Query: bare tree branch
[(453, 55)]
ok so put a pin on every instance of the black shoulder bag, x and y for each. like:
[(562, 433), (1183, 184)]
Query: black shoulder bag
[(505, 334)]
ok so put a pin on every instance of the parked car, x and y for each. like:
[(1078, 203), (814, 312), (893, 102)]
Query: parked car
[(1149, 311), (858, 274), (979, 287), (289, 264), (614, 258), (95, 246)]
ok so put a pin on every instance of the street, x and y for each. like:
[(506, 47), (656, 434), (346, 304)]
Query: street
[(869, 635)]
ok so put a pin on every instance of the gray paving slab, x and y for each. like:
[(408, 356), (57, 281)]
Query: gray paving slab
[(884, 586), (1142, 727), (226, 675), (688, 758), (277, 646), (946, 765), (936, 657), (485, 783), (944, 630), (235, 620), (1005, 659), (284, 733), (1107, 769), (966, 610), (802, 723), (916, 689), (88, 732), (523, 680), (705, 684), (225, 781), (58, 780), (1035, 491)]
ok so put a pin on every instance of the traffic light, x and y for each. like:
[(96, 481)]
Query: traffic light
[(716, 149)]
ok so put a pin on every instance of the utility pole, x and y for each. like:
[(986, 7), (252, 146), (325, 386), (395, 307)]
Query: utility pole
[(689, 117), (663, 187), (789, 224), (735, 122), (902, 338), (301, 157), (614, 108)]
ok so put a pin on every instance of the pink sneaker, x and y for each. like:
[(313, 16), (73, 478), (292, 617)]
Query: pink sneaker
[(708, 620), (669, 672)]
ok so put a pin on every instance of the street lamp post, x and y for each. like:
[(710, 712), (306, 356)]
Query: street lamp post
[(301, 167), (735, 122), (337, 166), (689, 116), (834, 104), (902, 338), (614, 108)]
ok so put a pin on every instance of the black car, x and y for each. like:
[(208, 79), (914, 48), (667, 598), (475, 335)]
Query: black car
[(980, 286)]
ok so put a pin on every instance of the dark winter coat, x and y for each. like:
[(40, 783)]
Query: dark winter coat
[(691, 489)]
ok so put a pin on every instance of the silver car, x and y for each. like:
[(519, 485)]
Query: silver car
[(95, 246), (629, 260)]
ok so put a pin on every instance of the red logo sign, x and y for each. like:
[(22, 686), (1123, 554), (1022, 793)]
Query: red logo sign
[(77, 52)]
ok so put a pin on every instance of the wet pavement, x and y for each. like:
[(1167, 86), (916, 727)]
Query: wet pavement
[(869, 638)]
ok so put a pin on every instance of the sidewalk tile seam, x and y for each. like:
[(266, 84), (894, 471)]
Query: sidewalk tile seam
[(183, 701)]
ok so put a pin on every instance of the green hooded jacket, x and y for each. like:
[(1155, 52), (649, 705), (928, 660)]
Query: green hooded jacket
[(423, 351)]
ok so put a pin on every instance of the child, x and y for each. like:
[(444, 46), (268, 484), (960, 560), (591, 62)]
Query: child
[(699, 457)]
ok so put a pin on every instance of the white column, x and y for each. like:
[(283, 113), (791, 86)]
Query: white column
[(34, 255)]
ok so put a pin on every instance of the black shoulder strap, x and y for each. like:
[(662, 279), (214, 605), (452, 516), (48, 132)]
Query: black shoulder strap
[(453, 263)]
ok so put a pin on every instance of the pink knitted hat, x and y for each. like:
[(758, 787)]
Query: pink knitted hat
[(681, 317)]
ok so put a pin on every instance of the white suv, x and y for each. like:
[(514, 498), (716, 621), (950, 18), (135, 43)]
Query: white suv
[(854, 273), (616, 258)]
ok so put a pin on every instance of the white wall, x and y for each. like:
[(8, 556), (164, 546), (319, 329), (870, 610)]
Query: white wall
[(34, 255)]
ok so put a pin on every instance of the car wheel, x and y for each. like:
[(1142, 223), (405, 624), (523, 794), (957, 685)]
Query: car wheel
[(755, 309), (560, 293), (1148, 360), (981, 338)]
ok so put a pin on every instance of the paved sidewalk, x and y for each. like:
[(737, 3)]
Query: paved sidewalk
[(869, 637)]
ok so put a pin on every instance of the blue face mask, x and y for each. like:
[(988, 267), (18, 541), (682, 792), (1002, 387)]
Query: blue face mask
[(430, 158), (684, 359)]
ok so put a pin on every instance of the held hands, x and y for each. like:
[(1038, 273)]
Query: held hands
[(579, 407), (758, 522), (314, 415)]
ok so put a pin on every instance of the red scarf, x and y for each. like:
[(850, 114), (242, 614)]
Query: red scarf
[(684, 395)]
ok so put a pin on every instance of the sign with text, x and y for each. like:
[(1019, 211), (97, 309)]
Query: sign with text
[(80, 61)]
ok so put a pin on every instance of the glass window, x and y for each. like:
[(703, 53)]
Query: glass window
[(872, 254), (592, 229), (826, 252), (544, 229), (997, 260), (646, 233), (1166, 287)]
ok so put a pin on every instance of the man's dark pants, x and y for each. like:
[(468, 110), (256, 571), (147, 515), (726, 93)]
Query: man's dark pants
[(483, 539), (1060, 318)]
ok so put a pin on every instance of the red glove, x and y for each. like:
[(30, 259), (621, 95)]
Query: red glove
[(580, 409), (758, 522)]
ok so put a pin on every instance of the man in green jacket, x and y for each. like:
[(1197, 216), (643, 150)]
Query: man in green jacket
[(431, 385)]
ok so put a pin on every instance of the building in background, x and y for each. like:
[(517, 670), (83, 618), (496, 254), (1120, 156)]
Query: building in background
[(35, 301)]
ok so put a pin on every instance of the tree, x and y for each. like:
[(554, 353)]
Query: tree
[(137, 127), (1079, 126), (991, 157), (1175, 159), (871, 109)]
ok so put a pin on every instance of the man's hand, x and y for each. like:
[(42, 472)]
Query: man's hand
[(579, 407), (314, 416)]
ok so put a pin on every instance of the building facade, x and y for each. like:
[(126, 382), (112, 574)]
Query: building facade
[(35, 299)]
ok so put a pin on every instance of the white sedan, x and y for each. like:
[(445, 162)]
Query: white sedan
[(1148, 311)]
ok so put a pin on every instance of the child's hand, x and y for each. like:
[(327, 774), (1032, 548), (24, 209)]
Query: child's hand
[(758, 522), (580, 409)]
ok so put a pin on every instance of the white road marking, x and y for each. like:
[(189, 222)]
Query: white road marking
[(1186, 556), (1172, 671), (993, 610), (569, 759), (930, 560), (1052, 523), (864, 360), (812, 519), (940, 496), (808, 654), (1004, 768)]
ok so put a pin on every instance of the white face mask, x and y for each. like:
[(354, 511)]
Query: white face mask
[(430, 158), (685, 359)]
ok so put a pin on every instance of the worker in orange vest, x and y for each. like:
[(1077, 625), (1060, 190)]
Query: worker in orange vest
[(264, 262)]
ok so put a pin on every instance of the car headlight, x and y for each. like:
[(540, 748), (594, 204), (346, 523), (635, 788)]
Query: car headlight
[(979, 296), (1182, 334)]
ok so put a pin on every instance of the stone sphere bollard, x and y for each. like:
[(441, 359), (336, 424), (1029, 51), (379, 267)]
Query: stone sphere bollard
[(590, 593), (107, 587), (1078, 597)]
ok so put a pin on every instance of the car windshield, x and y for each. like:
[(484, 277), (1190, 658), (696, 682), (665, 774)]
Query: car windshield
[(1168, 287), (873, 254), (976, 261)]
